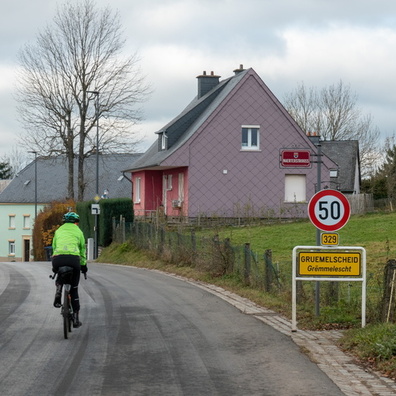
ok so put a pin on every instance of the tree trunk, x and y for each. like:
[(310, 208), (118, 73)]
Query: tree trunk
[(81, 182)]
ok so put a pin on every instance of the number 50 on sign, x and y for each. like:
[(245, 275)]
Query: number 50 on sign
[(329, 210)]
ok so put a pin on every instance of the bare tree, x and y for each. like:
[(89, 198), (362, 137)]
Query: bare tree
[(17, 159), (333, 114), (302, 104), (78, 53)]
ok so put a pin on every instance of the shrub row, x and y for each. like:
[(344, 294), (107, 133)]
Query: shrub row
[(50, 218)]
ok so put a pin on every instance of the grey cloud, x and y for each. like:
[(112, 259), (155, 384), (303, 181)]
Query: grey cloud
[(220, 31)]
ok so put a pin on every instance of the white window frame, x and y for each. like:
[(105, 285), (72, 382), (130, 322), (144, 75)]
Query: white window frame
[(138, 190), (169, 184), (295, 188), (11, 247), (11, 222), (26, 222), (163, 141), (181, 187), (249, 146)]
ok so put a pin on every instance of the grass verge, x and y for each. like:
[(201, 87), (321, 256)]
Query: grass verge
[(374, 346)]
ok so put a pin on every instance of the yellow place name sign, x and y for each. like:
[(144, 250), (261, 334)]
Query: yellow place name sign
[(329, 264)]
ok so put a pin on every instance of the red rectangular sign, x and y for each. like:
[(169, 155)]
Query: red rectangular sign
[(295, 158)]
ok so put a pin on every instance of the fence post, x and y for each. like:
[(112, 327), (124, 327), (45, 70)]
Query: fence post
[(170, 245), (121, 239), (136, 230), (229, 256), (160, 247), (389, 296), (193, 246), (139, 233), (247, 264), (150, 236), (216, 260), (268, 270), (113, 226), (332, 292), (123, 229)]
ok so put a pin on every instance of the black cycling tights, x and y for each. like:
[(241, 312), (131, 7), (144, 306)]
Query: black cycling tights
[(74, 262)]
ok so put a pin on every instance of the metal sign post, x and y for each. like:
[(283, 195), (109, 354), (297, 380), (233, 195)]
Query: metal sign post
[(95, 210), (328, 210)]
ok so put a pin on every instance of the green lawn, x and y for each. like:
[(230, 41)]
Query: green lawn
[(375, 232)]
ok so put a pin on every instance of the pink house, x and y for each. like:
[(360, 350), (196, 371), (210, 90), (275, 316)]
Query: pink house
[(224, 155)]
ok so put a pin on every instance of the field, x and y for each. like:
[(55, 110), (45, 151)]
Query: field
[(375, 344)]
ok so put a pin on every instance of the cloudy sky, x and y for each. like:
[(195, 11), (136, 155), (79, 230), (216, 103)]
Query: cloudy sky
[(317, 42)]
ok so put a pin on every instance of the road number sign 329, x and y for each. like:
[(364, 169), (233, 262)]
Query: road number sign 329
[(329, 210)]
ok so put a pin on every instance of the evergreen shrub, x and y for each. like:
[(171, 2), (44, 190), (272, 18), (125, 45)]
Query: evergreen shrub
[(109, 209)]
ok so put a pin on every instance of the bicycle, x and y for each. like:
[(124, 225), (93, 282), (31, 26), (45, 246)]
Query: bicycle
[(64, 278)]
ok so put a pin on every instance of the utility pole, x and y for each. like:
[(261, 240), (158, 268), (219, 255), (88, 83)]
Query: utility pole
[(97, 196)]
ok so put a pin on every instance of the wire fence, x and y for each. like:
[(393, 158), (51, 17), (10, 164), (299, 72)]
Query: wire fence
[(259, 270)]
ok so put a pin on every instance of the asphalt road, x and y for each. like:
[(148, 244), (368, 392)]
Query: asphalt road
[(143, 333)]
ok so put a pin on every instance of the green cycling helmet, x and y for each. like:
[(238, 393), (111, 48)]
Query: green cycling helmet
[(71, 217)]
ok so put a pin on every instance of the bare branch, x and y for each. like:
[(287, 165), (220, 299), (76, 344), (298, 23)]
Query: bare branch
[(79, 52), (333, 114)]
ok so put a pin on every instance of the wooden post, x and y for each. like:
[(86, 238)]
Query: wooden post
[(268, 270), (193, 246), (229, 256), (389, 296), (123, 230), (247, 264)]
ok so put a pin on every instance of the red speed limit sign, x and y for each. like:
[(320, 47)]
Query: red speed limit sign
[(329, 210)]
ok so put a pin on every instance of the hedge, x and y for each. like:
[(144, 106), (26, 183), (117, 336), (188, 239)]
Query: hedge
[(109, 208)]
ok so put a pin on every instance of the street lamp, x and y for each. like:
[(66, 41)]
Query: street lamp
[(96, 93), (35, 183)]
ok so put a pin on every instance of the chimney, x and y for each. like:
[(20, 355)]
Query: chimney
[(206, 83), (241, 69), (314, 138)]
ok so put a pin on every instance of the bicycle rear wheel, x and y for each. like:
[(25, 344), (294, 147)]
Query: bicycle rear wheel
[(66, 313), (70, 313)]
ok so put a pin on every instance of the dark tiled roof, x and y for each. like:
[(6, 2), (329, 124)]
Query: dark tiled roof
[(4, 184), (345, 153), (187, 123), (52, 176)]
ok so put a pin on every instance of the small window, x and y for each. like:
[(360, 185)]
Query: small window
[(169, 183), (181, 187), (295, 188), (11, 248), (163, 141), (138, 183), (26, 222), (251, 137), (11, 221)]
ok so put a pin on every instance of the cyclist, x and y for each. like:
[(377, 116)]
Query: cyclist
[(68, 248)]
